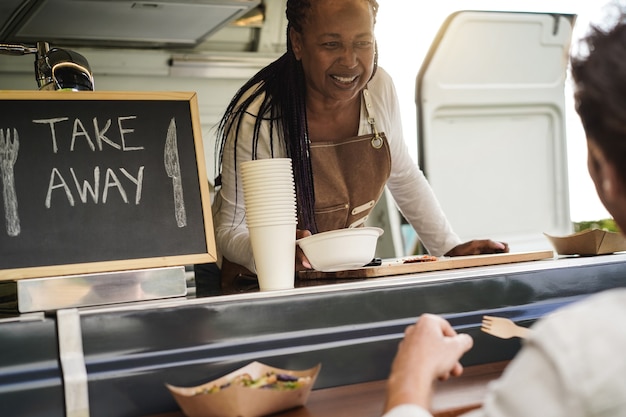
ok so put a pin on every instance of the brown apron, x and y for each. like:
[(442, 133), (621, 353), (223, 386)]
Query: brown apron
[(349, 177)]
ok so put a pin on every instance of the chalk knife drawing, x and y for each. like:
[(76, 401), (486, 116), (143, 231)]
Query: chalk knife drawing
[(8, 155), (172, 167)]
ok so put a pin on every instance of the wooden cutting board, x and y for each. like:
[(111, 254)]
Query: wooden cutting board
[(397, 267)]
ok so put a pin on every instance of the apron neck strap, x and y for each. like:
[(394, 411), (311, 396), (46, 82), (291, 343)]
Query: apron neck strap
[(376, 140)]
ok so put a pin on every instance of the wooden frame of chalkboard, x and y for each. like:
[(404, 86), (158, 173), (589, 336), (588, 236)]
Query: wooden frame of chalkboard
[(101, 181)]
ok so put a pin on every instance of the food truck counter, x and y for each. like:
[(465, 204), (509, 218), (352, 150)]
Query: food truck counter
[(118, 357)]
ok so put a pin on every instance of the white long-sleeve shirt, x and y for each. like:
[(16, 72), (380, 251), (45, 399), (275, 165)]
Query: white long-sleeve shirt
[(572, 365), (407, 184)]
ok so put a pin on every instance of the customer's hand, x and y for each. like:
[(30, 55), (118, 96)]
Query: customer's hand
[(430, 350), (478, 247)]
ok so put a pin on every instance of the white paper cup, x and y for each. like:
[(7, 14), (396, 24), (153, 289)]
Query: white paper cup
[(251, 190), (273, 211), (272, 168), (269, 207), (274, 251), (267, 161), (280, 175), (268, 191), (263, 181), (283, 217), (286, 213), (257, 204), (262, 193), (270, 173), (271, 222), (266, 164), (264, 207)]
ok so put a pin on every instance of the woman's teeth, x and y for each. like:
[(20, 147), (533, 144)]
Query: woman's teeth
[(345, 80)]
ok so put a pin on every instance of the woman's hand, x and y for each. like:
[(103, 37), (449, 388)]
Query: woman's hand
[(430, 350), (302, 262), (478, 247)]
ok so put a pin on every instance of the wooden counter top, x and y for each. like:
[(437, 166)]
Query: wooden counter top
[(452, 398), (403, 266)]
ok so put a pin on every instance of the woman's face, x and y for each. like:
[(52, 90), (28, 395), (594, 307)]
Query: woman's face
[(336, 48)]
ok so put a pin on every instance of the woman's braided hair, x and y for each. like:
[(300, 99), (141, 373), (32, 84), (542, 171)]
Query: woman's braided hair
[(282, 87)]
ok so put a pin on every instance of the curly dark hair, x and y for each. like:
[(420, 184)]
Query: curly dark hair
[(282, 86), (599, 74)]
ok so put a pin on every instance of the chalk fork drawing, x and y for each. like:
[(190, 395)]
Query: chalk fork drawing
[(8, 155), (172, 168)]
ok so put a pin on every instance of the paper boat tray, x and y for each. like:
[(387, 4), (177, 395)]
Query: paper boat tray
[(240, 401), (588, 242)]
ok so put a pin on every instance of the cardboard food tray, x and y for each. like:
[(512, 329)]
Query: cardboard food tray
[(588, 242), (240, 401), (438, 265)]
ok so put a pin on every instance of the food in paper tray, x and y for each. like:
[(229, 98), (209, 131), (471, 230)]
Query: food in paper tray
[(252, 391), (271, 380)]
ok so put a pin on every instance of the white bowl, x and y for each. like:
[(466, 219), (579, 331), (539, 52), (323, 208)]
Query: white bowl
[(342, 249)]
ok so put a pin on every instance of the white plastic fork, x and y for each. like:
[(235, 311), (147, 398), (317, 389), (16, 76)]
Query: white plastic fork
[(503, 328)]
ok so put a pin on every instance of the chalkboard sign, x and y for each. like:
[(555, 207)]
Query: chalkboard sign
[(101, 181)]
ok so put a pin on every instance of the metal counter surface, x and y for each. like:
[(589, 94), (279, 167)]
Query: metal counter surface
[(30, 375), (351, 328)]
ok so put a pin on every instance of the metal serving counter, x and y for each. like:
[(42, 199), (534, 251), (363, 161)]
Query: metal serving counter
[(352, 328)]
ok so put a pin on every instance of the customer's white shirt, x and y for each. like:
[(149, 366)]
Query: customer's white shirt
[(572, 365)]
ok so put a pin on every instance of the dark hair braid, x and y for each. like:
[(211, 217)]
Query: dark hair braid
[(283, 85)]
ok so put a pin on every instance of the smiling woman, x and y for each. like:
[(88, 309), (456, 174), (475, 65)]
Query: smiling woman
[(337, 66), (326, 105), (404, 39)]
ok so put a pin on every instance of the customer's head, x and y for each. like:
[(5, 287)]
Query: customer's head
[(599, 73)]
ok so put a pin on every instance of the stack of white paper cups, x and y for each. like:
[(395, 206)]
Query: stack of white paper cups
[(270, 200)]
